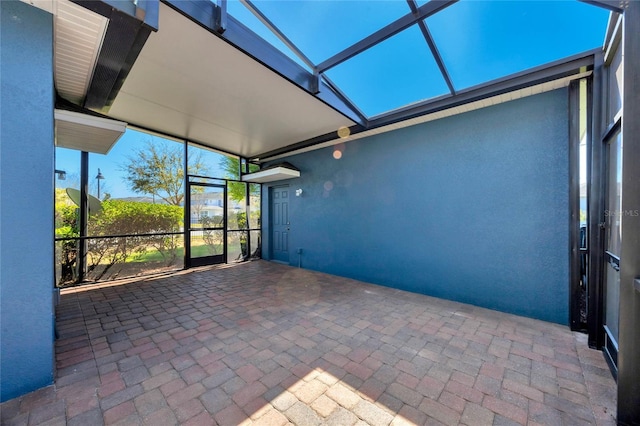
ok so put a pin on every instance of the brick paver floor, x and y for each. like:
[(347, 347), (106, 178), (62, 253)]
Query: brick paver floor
[(266, 344)]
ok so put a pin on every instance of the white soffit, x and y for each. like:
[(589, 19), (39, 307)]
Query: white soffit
[(271, 175), (190, 84), (85, 132), (483, 103), (78, 36)]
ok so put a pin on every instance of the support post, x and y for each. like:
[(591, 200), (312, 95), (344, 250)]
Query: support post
[(84, 215)]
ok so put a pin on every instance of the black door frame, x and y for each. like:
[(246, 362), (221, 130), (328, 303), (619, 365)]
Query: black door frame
[(610, 344), (596, 205), (602, 132), (189, 261)]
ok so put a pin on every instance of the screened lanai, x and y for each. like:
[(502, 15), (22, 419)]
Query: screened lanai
[(365, 65), (398, 67), (465, 150)]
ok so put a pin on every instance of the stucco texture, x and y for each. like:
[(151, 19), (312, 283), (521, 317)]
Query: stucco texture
[(26, 199), (473, 208)]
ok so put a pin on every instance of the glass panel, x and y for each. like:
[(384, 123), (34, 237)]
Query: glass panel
[(137, 188), (613, 218), (583, 152), (207, 221), (256, 244), (229, 167), (67, 161), (394, 73), (255, 206), (583, 175), (207, 242), (612, 302), (237, 249), (207, 207), (252, 167), (614, 88), (613, 214), (123, 217), (241, 13), (484, 40), (204, 161), (140, 167), (66, 215), (236, 206), (66, 263), (111, 258), (320, 29), (206, 180)]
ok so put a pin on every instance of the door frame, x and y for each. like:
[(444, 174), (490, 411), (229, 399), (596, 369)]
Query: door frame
[(190, 261), (596, 204), (271, 227), (610, 343), (603, 128), (577, 252)]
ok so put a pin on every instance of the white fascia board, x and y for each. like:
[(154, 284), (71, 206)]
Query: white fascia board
[(271, 175)]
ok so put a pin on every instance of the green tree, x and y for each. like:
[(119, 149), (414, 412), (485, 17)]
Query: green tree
[(158, 169), (237, 192), (66, 224), (231, 168)]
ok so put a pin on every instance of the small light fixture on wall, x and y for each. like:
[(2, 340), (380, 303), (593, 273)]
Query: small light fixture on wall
[(298, 192)]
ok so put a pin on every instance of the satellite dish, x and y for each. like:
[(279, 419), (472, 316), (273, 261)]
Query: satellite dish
[(95, 206)]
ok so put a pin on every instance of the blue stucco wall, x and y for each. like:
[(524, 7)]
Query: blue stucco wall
[(472, 208), (26, 199)]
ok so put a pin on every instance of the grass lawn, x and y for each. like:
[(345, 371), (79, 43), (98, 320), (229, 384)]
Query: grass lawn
[(153, 255)]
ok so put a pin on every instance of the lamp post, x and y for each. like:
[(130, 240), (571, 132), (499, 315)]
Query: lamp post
[(99, 177)]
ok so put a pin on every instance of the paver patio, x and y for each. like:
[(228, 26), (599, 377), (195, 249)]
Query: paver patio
[(267, 344)]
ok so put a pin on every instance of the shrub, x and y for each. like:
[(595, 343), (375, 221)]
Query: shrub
[(119, 217)]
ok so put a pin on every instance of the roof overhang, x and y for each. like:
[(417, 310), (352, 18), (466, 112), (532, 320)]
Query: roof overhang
[(85, 132), (191, 84), (206, 78), (95, 44), (272, 174)]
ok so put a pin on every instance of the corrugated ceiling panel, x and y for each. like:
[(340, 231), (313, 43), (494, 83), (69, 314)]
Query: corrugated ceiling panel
[(78, 37)]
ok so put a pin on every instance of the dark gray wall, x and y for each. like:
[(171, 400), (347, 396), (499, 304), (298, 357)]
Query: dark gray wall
[(472, 208), (26, 199)]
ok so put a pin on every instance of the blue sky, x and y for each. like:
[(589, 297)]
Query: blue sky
[(479, 41), (111, 165)]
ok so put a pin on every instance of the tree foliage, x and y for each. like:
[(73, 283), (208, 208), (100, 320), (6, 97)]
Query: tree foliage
[(66, 221), (158, 169), (231, 168), (131, 217), (118, 217)]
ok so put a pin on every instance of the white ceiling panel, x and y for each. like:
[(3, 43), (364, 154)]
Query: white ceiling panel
[(84, 132), (78, 37), (189, 83)]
